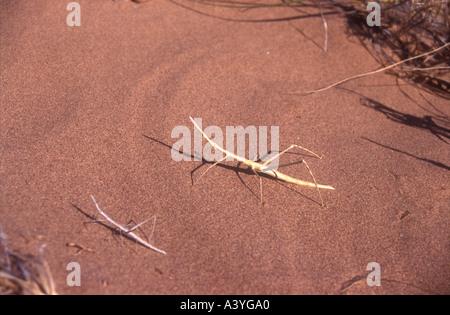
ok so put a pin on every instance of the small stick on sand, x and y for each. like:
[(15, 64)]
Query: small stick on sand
[(263, 168), (372, 72), (129, 232), (80, 248)]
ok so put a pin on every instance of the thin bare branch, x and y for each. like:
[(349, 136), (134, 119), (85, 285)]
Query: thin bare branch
[(373, 72)]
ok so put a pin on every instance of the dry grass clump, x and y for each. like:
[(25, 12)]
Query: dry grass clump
[(23, 274), (408, 28)]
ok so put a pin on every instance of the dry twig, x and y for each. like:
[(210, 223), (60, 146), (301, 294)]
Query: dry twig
[(325, 26), (374, 72), (80, 248)]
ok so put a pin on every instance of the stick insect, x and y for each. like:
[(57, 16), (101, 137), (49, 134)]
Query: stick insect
[(129, 232), (263, 168)]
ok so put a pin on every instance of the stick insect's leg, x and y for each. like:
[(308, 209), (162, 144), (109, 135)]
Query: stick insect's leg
[(212, 167), (128, 225), (288, 149), (314, 179), (142, 223), (137, 226), (121, 237), (127, 230), (153, 230), (96, 221), (304, 162), (260, 184), (153, 227)]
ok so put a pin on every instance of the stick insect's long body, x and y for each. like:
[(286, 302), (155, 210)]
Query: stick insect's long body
[(261, 168), (128, 232)]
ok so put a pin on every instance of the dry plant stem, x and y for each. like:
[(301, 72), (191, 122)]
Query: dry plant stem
[(426, 69), (129, 232), (4, 251), (374, 72), (49, 278), (264, 169), (34, 276), (325, 25)]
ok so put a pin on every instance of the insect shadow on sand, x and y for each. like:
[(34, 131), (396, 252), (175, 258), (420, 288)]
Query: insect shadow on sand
[(435, 163), (426, 122)]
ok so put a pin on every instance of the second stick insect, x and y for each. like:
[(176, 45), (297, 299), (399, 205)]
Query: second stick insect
[(263, 168)]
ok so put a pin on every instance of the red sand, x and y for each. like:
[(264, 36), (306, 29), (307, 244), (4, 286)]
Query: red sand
[(76, 103)]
